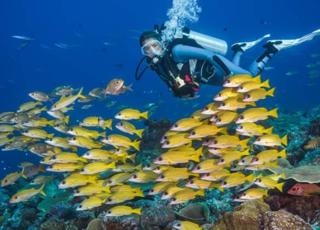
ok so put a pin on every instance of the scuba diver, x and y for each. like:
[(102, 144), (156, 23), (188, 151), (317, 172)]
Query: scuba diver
[(194, 58)]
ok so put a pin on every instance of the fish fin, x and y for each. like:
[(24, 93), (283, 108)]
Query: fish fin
[(137, 211), (50, 136), (274, 113), (223, 130), (139, 132), (23, 176), (250, 178), (41, 190), (280, 186), (252, 103), (80, 94), (284, 140), (269, 130), (283, 153), (244, 143), (246, 152), (139, 193), (271, 92), (200, 192), (265, 84), (257, 78), (145, 115), (129, 87), (112, 165), (107, 124), (42, 168), (136, 145), (84, 160), (67, 119)]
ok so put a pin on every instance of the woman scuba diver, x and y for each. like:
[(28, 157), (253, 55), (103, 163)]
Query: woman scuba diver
[(194, 59)]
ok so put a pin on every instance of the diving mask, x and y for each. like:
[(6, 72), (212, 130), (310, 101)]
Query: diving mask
[(152, 48)]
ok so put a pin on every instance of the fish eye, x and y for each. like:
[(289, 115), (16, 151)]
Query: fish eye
[(207, 174), (5, 180), (223, 104), (206, 108), (109, 212), (255, 159), (167, 142), (227, 81), (219, 120), (258, 180), (241, 117), (242, 161), (175, 125), (15, 197), (148, 166), (198, 167), (219, 94), (160, 158), (222, 160), (109, 199), (191, 181), (165, 137), (80, 206), (193, 133), (178, 225), (240, 127), (53, 157), (258, 139), (119, 114), (120, 123), (174, 199), (77, 191), (215, 142), (236, 197), (241, 87), (134, 176), (166, 193), (162, 176), (247, 96), (224, 183), (63, 182), (243, 194), (151, 190)]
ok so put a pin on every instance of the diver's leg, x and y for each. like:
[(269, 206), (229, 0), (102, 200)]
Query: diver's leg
[(258, 65), (240, 47)]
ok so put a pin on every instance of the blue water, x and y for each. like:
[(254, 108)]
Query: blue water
[(86, 25)]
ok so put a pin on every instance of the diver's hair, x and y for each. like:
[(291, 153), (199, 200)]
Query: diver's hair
[(149, 34)]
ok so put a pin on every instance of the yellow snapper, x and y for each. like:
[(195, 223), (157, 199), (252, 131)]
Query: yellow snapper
[(65, 101), (39, 123), (258, 94), (59, 142), (176, 156), (26, 194), (269, 182), (231, 156), (123, 196), (225, 94), (67, 157), (175, 174), (121, 141), (10, 179), (236, 179), (143, 177), (185, 195), (39, 96), (83, 132), (97, 167), (186, 225), (252, 194), (206, 130), (131, 114), (215, 175), (198, 115), (37, 133), (210, 109), (224, 117), (65, 167), (129, 128), (171, 190), (207, 166), (76, 179), (234, 103), (177, 140), (227, 141), (84, 142), (268, 156), (91, 189), (185, 124), (123, 210), (236, 80), (98, 154), (196, 183), (118, 178), (271, 140), (256, 114), (91, 203), (28, 106), (251, 85), (252, 129), (160, 187), (96, 122)]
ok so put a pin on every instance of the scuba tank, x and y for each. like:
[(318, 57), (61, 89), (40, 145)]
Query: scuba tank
[(208, 42)]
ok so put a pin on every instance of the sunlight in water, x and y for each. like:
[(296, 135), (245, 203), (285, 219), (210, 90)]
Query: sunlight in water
[(182, 12)]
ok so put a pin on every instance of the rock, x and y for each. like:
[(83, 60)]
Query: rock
[(52, 224), (95, 224), (283, 220), (125, 223), (247, 216)]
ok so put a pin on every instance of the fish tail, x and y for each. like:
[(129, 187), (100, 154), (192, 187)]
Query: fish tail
[(139, 132), (136, 145), (265, 84), (84, 160), (280, 186), (139, 193), (200, 192), (246, 152), (283, 153), (129, 87), (274, 113), (257, 78), (107, 124), (252, 103), (112, 165), (145, 115), (41, 190), (284, 140), (67, 119), (271, 92), (79, 95), (269, 130), (250, 178), (244, 143), (137, 211), (50, 136), (223, 130)]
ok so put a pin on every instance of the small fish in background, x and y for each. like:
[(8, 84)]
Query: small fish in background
[(39, 96), (21, 37), (268, 68), (300, 189), (85, 107), (97, 93), (64, 90), (291, 73), (314, 74), (116, 86), (313, 65), (315, 55), (107, 44), (110, 104), (62, 45), (186, 225)]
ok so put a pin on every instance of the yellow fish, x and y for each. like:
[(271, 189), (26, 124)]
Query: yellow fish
[(210, 109), (186, 225), (39, 123), (91, 189), (118, 178), (65, 167), (129, 128), (236, 179), (215, 175), (224, 118), (251, 85), (123, 210), (60, 142), (123, 196), (185, 195), (65, 101), (256, 114), (196, 183), (185, 124), (66, 157), (37, 133), (237, 80), (269, 183), (143, 177), (198, 115), (232, 156), (98, 154), (121, 141), (252, 129), (177, 157), (6, 128), (252, 194), (28, 106), (268, 156), (131, 114), (91, 203), (59, 115), (160, 187), (10, 179), (177, 140), (258, 94), (234, 103), (97, 167), (227, 141), (26, 194), (207, 166), (225, 94), (271, 140), (76, 179), (206, 130), (84, 142), (83, 132), (170, 191), (96, 122), (175, 174)]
